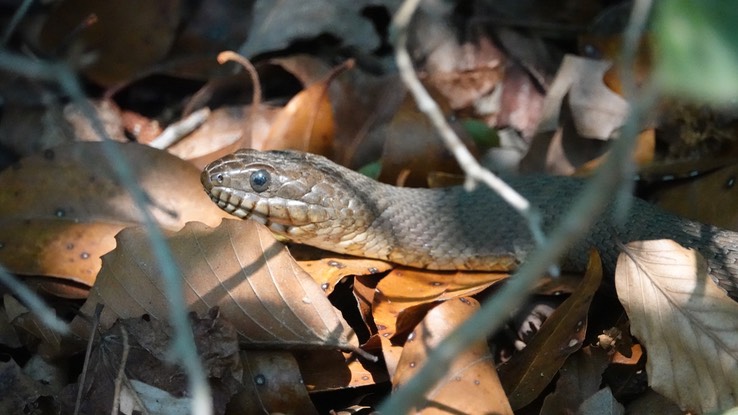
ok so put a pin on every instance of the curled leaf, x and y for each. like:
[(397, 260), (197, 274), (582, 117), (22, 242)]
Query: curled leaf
[(688, 325)]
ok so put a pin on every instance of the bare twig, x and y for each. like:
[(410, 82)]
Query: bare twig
[(121, 370), (183, 343), (88, 353), (37, 305), (19, 14), (180, 129), (615, 170)]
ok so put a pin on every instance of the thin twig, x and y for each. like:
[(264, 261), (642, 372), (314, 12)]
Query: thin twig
[(17, 17), (121, 371), (88, 353), (492, 314), (180, 129)]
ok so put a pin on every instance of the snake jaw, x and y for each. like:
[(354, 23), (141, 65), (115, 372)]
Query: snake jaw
[(282, 215)]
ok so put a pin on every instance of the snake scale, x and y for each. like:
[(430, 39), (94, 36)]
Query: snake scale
[(314, 201)]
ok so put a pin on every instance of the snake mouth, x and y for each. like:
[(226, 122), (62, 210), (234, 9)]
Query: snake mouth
[(279, 214)]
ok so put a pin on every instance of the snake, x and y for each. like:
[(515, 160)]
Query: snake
[(311, 200)]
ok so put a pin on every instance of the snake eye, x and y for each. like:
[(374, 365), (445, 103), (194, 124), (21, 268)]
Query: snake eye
[(259, 180)]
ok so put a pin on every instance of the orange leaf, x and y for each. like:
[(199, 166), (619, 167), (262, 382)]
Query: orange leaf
[(127, 37), (60, 210), (471, 384), (406, 288), (306, 123)]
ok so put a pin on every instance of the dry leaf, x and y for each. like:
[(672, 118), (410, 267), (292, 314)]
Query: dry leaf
[(579, 379), (238, 267), (20, 392), (27, 322), (584, 108), (219, 135), (413, 147), (126, 37), (329, 370), (277, 24), (601, 403), (329, 268), (60, 210), (528, 373), (471, 384), (405, 288), (148, 361), (709, 198), (272, 384), (306, 123), (687, 324)]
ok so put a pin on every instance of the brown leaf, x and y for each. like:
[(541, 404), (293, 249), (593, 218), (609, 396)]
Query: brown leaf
[(125, 36), (581, 108), (473, 75), (240, 268), (602, 402), (579, 378), (405, 288), (277, 24), (687, 324), (328, 370), (306, 123), (60, 210), (20, 391), (328, 268), (562, 334), (220, 135), (272, 384), (708, 199), (471, 384), (413, 147), (148, 363), (27, 322)]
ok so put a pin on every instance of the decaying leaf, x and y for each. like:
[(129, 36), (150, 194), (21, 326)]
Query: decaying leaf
[(687, 324), (404, 289), (562, 334), (145, 344), (471, 384), (591, 113), (125, 37), (272, 384), (602, 403), (20, 392), (77, 204), (708, 199), (305, 123), (277, 24), (328, 268), (238, 267), (413, 148), (579, 379)]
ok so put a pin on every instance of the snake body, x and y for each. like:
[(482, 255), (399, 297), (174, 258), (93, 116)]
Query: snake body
[(314, 201)]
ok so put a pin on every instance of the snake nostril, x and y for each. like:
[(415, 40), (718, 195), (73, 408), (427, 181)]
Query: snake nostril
[(219, 178)]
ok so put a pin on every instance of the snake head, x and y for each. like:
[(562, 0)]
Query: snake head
[(296, 194)]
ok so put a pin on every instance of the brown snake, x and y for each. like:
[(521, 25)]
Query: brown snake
[(314, 201)]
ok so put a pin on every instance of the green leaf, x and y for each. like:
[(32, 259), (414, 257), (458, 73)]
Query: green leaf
[(697, 48)]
